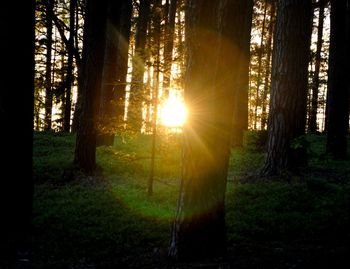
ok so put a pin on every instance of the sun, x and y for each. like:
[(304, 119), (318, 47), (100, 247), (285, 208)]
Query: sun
[(173, 112)]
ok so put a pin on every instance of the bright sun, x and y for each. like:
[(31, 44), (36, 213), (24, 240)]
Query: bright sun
[(173, 112)]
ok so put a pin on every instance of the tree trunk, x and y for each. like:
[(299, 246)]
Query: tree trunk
[(338, 92), (240, 113), (289, 83), (48, 79), (260, 55), (267, 79), (168, 47), (16, 121), (312, 126), (94, 42), (70, 75), (199, 228), (114, 72), (136, 98)]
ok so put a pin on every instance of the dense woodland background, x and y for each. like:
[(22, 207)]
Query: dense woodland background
[(257, 177)]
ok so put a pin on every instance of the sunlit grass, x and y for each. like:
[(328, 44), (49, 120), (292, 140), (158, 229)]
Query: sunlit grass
[(110, 221)]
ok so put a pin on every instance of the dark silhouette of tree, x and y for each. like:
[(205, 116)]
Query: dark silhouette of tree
[(16, 119), (70, 68), (267, 79), (213, 36), (115, 68), (312, 124), (169, 45), (338, 85), (49, 4), (287, 115), (241, 83), (134, 119), (94, 42)]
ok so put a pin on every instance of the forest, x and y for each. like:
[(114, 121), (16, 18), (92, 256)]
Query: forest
[(175, 134)]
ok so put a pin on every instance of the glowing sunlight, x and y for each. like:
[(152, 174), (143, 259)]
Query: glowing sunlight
[(173, 112)]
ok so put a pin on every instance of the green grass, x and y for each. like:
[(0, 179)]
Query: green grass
[(110, 222)]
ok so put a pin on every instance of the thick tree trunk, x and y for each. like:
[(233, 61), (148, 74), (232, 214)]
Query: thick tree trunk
[(213, 64), (48, 78), (114, 72), (312, 126), (16, 121), (94, 42), (338, 92), (135, 120), (287, 115)]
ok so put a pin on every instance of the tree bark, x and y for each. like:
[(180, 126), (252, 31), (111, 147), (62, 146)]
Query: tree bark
[(287, 115), (338, 85), (94, 42), (199, 227)]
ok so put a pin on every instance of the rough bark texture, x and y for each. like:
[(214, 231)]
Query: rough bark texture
[(112, 105), (16, 121), (287, 113), (312, 126), (94, 41), (212, 47), (338, 91)]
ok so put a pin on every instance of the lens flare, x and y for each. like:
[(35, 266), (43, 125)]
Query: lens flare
[(173, 112)]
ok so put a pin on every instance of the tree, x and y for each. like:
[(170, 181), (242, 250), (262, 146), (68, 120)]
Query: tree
[(241, 82), (94, 42), (199, 227), (138, 67), (115, 68), (17, 87), (169, 45), (287, 114), (70, 72), (338, 91), (312, 126), (48, 80)]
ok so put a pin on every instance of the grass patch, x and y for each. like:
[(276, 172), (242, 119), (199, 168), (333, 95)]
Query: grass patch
[(110, 222)]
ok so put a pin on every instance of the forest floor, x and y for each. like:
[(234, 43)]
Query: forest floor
[(109, 221)]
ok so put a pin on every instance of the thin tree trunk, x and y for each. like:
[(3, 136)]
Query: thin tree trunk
[(260, 55), (70, 75), (168, 47), (312, 126), (48, 77), (264, 101), (135, 119)]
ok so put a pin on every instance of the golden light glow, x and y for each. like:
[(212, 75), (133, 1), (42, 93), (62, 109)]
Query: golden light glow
[(173, 112)]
